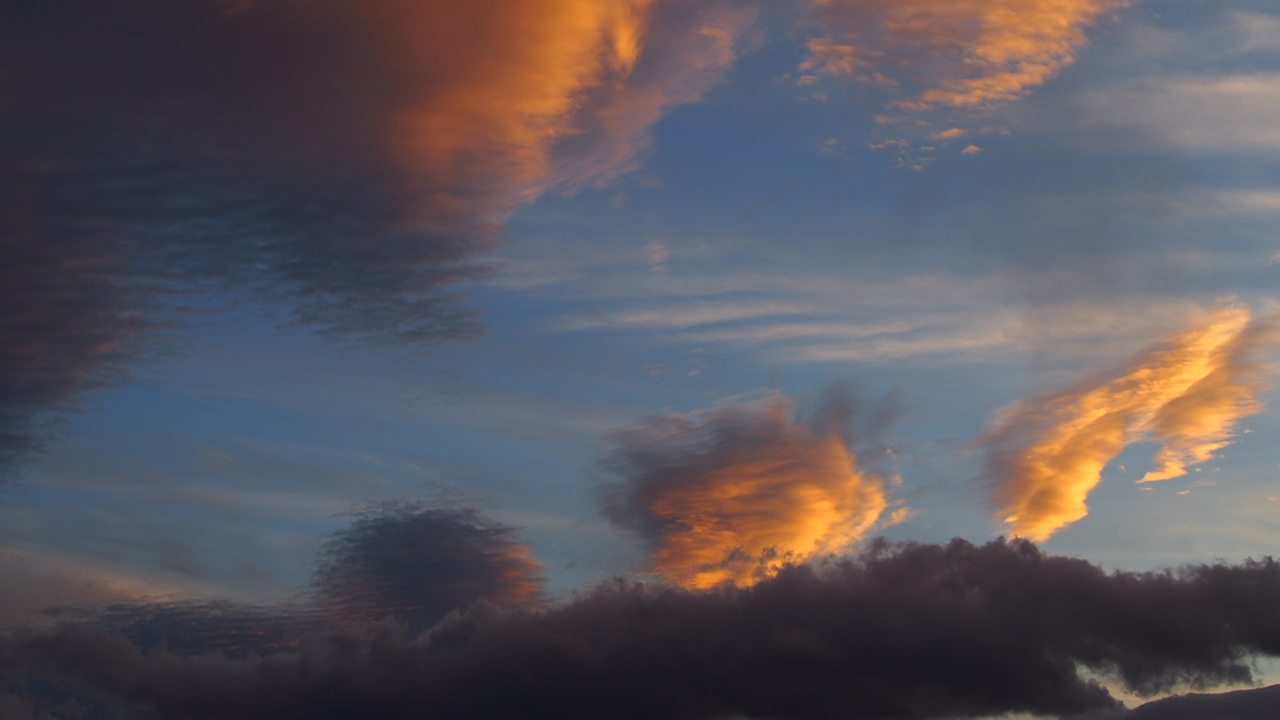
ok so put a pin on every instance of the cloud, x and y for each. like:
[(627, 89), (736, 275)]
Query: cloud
[(403, 564), (1253, 704), (902, 631), (734, 494), (348, 161), (415, 563), (949, 54), (1047, 452), (1219, 114)]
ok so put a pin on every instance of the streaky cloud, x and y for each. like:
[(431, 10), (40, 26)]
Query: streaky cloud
[(732, 495), (1046, 452)]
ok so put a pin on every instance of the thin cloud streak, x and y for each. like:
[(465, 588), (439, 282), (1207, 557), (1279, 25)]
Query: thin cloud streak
[(1046, 453)]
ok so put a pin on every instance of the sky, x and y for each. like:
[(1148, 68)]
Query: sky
[(639, 359)]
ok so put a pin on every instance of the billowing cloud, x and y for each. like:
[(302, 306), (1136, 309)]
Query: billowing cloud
[(414, 563), (950, 53), (1047, 452), (734, 494), (903, 631), (348, 160)]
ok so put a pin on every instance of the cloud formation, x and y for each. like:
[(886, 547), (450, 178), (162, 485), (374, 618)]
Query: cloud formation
[(348, 161), (735, 494), (949, 53), (1047, 452), (903, 631)]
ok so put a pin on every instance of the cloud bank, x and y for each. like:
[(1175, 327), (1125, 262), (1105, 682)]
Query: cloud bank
[(1047, 452), (902, 631)]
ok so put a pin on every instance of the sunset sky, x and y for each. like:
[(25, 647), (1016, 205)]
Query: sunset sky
[(696, 353)]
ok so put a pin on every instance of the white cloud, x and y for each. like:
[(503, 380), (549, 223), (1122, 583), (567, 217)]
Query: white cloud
[(1235, 114)]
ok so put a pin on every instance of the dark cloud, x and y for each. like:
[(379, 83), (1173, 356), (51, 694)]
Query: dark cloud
[(347, 160), (414, 563), (903, 631)]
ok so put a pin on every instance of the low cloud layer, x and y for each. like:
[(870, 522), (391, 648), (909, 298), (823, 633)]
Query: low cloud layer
[(1047, 452), (734, 494), (347, 161), (903, 631)]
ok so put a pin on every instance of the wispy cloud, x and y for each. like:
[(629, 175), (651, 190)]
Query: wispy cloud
[(944, 53), (688, 316), (1047, 452), (799, 313), (1205, 114)]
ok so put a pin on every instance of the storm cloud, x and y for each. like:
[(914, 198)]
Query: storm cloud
[(902, 631)]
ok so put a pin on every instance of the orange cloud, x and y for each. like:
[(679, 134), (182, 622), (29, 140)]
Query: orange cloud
[(951, 53), (734, 496), (510, 97), (1187, 393)]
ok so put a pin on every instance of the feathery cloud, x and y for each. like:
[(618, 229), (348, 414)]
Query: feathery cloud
[(1047, 452)]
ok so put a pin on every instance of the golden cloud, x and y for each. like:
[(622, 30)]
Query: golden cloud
[(951, 53), (734, 496), (1186, 393), (520, 95)]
